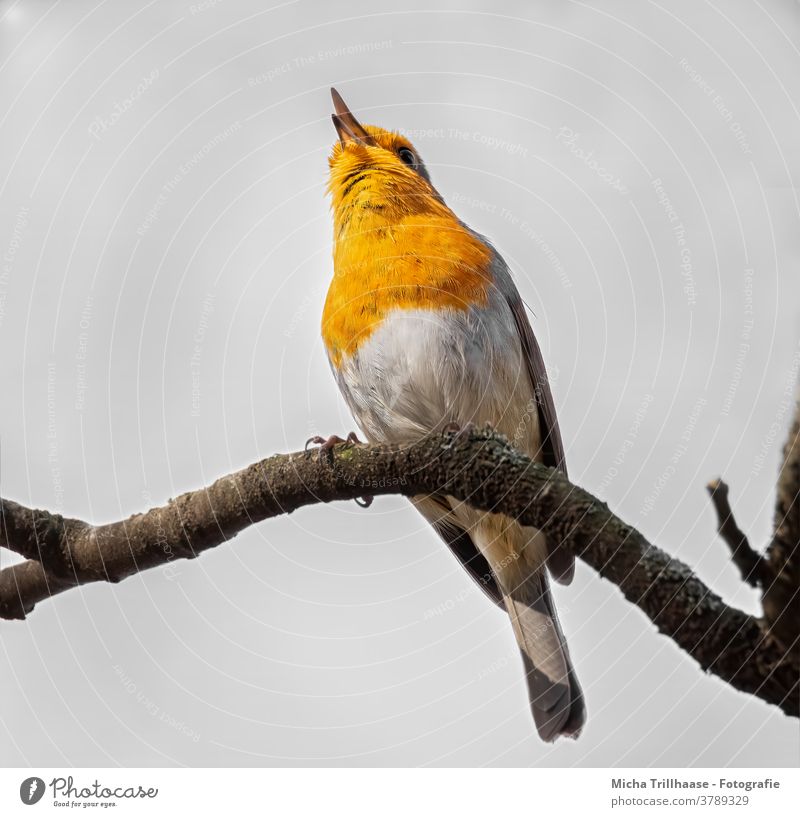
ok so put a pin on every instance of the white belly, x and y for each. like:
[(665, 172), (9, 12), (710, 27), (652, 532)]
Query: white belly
[(421, 370)]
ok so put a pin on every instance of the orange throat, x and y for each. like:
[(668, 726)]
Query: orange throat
[(396, 246)]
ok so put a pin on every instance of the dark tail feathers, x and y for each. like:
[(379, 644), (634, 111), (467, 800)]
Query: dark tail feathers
[(555, 695)]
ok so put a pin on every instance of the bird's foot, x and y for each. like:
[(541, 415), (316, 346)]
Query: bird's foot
[(326, 446), (457, 431)]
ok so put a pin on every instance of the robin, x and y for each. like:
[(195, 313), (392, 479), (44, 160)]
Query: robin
[(425, 330)]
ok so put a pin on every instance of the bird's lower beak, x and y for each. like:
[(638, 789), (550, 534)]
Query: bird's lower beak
[(347, 126)]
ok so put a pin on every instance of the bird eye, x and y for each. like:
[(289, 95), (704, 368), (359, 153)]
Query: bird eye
[(407, 156)]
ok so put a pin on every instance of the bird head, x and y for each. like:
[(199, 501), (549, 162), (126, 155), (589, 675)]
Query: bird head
[(376, 170)]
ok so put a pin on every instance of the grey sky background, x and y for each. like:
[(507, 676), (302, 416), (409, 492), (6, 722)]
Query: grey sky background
[(166, 249)]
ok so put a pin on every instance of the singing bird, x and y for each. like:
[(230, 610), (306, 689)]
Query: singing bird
[(424, 329)]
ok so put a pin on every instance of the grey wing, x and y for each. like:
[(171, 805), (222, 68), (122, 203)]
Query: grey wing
[(552, 446), (560, 563)]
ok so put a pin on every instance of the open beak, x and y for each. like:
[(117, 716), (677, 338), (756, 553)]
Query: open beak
[(347, 126)]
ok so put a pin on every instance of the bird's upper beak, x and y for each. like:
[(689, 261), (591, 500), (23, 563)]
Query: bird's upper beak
[(347, 126)]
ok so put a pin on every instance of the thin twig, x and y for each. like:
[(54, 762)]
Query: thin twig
[(752, 565)]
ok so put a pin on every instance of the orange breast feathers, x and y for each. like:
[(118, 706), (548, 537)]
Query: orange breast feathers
[(396, 246)]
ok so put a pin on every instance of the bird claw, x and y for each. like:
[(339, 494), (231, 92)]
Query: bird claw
[(458, 431), (326, 446)]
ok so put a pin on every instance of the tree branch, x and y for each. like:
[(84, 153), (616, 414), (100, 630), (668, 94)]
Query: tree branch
[(479, 467), (781, 599)]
